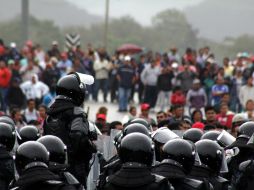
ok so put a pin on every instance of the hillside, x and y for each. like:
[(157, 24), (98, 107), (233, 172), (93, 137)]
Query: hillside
[(61, 12), (216, 19)]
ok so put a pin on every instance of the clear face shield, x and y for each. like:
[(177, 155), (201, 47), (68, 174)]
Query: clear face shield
[(93, 131), (225, 139), (163, 135), (195, 152), (84, 78), (224, 165)]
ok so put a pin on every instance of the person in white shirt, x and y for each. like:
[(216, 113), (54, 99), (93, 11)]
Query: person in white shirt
[(247, 92), (34, 89), (30, 113), (149, 77)]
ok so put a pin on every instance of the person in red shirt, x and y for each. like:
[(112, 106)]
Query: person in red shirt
[(225, 116), (5, 77), (178, 97)]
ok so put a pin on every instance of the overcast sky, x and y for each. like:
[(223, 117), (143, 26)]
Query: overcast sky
[(141, 10)]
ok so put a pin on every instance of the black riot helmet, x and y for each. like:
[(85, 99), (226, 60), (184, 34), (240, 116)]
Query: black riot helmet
[(180, 151), (28, 133), (56, 148), (136, 147), (211, 135), (246, 129), (211, 155), (8, 120), (7, 136), (31, 154), (135, 127), (73, 86), (193, 134), (117, 140), (143, 122)]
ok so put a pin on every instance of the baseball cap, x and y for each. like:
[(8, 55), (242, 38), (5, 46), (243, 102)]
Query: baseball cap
[(196, 81), (145, 106), (101, 116), (198, 125)]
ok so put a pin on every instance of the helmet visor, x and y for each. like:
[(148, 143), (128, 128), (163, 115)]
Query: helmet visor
[(224, 165), (85, 79), (163, 135), (225, 139)]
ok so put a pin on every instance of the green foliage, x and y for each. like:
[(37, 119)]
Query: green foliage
[(42, 32), (169, 28)]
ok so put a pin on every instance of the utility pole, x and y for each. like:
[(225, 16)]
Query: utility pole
[(25, 20), (106, 24)]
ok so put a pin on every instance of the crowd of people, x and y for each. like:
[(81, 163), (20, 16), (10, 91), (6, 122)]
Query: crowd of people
[(164, 81), (201, 137)]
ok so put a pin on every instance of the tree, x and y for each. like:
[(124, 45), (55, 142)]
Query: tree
[(172, 25), (42, 32)]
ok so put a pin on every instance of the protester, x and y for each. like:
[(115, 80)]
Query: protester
[(126, 78), (149, 77)]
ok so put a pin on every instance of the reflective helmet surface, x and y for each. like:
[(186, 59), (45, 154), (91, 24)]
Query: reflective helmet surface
[(28, 133), (193, 134), (210, 154), (143, 122), (135, 127), (7, 136), (180, 151), (71, 87), (31, 154), (246, 129), (211, 135), (56, 148), (8, 120), (136, 147)]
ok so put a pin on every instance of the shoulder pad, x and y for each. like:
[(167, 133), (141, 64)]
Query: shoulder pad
[(54, 182), (70, 179), (244, 165), (78, 111), (196, 184), (159, 179), (221, 180)]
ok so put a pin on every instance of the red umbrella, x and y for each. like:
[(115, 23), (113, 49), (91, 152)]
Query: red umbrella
[(129, 49)]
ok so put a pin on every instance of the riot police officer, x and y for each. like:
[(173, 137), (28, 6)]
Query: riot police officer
[(178, 159), (67, 120), (136, 153), (58, 158), (213, 159), (160, 137), (244, 133), (32, 166), (7, 140), (115, 163), (28, 133), (246, 176)]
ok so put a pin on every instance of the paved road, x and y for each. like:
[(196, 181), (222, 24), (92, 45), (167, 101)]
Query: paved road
[(113, 113)]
